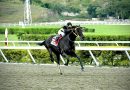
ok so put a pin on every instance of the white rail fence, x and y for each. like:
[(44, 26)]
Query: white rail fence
[(32, 45), (105, 22)]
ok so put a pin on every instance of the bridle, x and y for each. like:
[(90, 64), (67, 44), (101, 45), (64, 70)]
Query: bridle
[(74, 32)]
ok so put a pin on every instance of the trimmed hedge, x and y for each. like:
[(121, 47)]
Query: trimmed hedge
[(34, 37), (87, 37), (30, 30), (89, 30), (36, 30), (41, 56), (111, 58), (107, 38)]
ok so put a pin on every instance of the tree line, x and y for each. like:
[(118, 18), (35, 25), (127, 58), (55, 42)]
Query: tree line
[(119, 9)]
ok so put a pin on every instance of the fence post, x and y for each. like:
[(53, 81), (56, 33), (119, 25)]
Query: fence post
[(95, 60), (127, 54), (3, 55), (62, 59), (31, 56), (6, 37)]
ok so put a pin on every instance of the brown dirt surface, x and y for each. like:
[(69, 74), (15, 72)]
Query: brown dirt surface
[(47, 77)]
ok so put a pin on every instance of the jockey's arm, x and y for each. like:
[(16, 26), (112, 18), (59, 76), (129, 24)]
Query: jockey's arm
[(66, 31), (61, 32)]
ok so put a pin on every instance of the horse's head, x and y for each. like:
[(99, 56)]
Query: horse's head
[(78, 31)]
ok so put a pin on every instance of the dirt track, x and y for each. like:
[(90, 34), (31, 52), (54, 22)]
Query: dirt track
[(46, 77)]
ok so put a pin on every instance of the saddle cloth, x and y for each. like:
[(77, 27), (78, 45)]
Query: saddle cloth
[(56, 39)]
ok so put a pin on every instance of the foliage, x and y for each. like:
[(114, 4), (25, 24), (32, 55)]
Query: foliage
[(86, 9), (110, 58), (107, 38), (16, 55), (41, 56), (29, 30), (92, 10), (87, 37), (34, 37), (115, 8), (59, 8)]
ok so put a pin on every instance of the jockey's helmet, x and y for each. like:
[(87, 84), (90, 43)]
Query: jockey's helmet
[(69, 24)]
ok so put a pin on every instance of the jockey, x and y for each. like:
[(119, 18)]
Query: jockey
[(61, 32)]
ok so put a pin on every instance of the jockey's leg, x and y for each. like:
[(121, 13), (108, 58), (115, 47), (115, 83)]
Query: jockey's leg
[(62, 34), (59, 36)]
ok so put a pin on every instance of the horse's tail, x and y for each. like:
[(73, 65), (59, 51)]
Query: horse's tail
[(42, 43)]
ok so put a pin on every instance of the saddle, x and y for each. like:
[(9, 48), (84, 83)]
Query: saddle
[(56, 39)]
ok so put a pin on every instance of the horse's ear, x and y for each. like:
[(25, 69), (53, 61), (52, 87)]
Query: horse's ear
[(64, 27)]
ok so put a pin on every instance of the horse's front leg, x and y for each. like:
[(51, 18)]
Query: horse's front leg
[(75, 55)]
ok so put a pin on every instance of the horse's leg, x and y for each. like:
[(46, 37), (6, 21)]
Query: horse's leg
[(75, 55), (50, 52), (65, 55), (58, 63)]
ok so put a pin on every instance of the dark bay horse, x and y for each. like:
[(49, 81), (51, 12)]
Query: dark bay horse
[(65, 47)]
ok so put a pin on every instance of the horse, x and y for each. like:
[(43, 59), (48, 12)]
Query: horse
[(66, 46)]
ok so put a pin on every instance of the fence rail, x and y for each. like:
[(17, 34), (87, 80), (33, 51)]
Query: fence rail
[(104, 48), (105, 22), (79, 47)]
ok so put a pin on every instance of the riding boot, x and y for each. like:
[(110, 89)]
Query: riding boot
[(57, 38)]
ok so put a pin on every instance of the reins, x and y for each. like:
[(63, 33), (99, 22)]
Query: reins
[(74, 34)]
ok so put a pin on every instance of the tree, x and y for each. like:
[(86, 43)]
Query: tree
[(92, 11), (114, 8)]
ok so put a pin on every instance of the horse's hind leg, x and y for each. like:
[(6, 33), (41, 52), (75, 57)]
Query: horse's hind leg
[(58, 63), (51, 56)]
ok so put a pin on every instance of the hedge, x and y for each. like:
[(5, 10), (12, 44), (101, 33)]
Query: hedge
[(41, 56), (36, 30), (30, 30), (34, 37), (111, 58), (87, 37)]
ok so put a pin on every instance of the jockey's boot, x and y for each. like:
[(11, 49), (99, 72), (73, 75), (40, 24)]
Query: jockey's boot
[(58, 37)]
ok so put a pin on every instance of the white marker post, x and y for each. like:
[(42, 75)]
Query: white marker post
[(6, 37)]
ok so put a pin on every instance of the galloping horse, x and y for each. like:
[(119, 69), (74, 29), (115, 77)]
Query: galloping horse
[(65, 47)]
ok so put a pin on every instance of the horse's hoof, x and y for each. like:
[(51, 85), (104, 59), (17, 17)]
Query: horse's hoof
[(66, 64), (33, 63), (61, 73), (82, 69)]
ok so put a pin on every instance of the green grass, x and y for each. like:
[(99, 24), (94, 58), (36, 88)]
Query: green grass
[(109, 29), (10, 37), (100, 29)]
